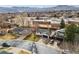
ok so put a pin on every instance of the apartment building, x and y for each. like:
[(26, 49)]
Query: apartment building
[(73, 20), (46, 23)]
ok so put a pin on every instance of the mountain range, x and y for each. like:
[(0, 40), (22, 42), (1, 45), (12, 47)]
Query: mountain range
[(36, 9)]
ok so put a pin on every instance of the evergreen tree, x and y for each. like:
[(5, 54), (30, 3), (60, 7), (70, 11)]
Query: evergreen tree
[(70, 33), (77, 29), (62, 24)]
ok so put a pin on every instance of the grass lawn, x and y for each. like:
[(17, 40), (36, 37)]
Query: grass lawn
[(7, 36), (32, 37), (12, 50)]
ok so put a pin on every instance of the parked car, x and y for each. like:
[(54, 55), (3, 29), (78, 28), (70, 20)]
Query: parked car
[(59, 34)]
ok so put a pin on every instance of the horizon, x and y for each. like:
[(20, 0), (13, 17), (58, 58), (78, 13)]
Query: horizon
[(35, 6)]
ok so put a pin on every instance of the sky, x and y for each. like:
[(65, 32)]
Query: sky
[(37, 3), (39, 6)]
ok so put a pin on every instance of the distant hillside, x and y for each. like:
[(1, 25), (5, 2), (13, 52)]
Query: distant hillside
[(33, 9), (65, 7)]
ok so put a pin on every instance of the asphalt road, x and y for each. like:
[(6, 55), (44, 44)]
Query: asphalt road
[(35, 48), (43, 49)]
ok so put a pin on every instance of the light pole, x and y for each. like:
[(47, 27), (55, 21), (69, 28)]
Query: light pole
[(49, 30)]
